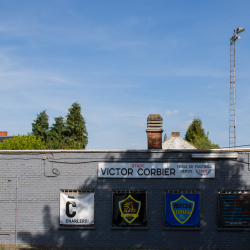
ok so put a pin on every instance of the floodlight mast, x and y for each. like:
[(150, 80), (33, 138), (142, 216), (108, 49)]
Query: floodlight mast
[(232, 102)]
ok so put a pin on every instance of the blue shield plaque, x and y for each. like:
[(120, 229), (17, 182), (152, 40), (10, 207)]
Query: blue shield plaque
[(182, 209)]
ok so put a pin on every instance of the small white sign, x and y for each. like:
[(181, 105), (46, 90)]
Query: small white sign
[(156, 170), (77, 208)]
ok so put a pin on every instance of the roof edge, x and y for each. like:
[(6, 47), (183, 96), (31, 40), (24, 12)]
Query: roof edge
[(126, 151)]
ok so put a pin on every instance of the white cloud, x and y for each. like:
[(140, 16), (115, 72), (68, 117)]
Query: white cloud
[(172, 112), (141, 125), (191, 114), (186, 124)]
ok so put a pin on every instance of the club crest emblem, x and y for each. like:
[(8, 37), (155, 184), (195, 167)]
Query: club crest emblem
[(129, 209), (182, 209)]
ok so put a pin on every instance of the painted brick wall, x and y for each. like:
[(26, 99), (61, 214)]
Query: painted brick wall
[(38, 193)]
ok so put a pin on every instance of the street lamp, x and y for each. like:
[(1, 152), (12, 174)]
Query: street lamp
[(232, 102)]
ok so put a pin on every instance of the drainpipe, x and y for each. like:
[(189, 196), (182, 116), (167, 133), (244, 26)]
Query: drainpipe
[(16, 213)]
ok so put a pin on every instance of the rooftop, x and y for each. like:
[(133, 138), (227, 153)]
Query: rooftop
[(176, 142)]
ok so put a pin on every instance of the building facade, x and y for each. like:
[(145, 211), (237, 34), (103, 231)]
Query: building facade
[(71, 198)]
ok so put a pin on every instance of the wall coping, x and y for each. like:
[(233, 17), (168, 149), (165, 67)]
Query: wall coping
[(128, 151)]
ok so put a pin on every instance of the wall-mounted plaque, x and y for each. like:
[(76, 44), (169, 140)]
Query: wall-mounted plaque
[(76, 208), (234, 210), (156, 170), (182, 209), (129, 209)]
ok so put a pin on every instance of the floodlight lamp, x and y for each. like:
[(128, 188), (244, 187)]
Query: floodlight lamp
[(233, 38), (238, 37), (239, 30)]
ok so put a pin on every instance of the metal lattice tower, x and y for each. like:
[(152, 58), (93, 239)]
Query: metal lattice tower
[(232, 101)]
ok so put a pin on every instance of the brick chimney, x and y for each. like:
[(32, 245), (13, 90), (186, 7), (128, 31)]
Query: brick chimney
[(175, 134), (154, 131), (3, 133)]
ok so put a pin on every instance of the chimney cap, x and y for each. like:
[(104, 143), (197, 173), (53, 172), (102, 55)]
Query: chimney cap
[(154, 123), (175, 134), (154, 117)]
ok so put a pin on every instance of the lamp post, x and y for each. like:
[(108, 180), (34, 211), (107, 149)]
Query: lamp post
[(232, 102)]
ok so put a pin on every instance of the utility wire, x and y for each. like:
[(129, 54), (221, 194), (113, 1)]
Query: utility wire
[(238, 146)]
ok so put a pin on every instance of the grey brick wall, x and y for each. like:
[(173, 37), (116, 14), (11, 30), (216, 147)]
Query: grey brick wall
[(39, 189)]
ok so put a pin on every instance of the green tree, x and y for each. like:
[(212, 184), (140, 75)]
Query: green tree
[(57, 134), (69, 134), (20, 142), (204, 143), (76, 132), (40, 127), (197, 137), (195, 130)]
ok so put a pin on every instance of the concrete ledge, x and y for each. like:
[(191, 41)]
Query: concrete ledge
[(129, 228), (243, 229), (228, 155), (181, 228), (76, 228)]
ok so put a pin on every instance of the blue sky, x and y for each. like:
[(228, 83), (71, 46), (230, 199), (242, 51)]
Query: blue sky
[(124, 60)]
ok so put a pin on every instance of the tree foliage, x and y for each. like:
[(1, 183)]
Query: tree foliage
[(22, 142), (58, 129), (76, 132), (63, 134), (197, 137), (204, 143), (41, 125), (195, 130), (57, 134)]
